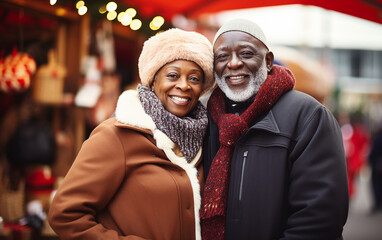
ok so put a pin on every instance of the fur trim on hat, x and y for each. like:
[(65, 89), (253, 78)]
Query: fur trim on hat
[(243, 25), (175, 44)]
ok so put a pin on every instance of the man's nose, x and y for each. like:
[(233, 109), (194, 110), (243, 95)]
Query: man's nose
[(234, 62)]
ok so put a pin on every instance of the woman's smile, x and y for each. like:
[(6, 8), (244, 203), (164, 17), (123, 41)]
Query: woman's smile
[(178, 86), (180, 100)]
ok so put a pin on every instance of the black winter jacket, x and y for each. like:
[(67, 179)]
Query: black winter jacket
[(288, 175)]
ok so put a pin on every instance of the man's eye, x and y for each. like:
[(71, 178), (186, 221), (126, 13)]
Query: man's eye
[(246, 53), (221, 56)]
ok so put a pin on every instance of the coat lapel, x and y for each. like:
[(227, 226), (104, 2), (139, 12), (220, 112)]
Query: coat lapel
[(268, 123)]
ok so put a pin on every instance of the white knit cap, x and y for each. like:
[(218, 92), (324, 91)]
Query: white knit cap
[(242, 25), (176, 44)]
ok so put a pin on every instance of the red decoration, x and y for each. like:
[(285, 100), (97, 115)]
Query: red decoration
[(40, 181), (15, 72)]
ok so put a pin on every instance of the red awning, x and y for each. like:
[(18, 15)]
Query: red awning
[(367, 9)]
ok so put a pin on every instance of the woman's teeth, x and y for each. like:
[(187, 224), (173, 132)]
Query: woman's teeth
[(180, 99)]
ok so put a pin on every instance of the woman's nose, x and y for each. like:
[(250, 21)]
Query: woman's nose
[(182, 83)]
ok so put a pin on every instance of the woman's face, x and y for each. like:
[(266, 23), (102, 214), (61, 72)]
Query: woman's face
[(178, 86)]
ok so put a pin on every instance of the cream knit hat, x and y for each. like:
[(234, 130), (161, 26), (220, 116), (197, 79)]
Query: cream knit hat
[(175, 44), (242, 25)]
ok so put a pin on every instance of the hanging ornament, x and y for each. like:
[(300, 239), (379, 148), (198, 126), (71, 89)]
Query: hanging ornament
[(16, 71)]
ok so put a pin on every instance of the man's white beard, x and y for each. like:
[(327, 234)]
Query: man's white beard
[(252, 88)]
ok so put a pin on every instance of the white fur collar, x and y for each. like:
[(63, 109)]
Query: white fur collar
[(131, 112)]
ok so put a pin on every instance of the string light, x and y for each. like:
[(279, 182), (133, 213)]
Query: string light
[(121, 15), (126, 21), (125, 18), (131, 12), (61, 11), (111, 15), (80, 4), (82, 10), (135, 24), (102, 9), (156, 23), (111, 6)]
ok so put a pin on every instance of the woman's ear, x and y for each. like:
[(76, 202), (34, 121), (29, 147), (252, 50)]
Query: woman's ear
[(153, 82), (153, 85)]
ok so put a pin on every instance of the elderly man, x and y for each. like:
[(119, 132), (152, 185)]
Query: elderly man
[(274, 157)]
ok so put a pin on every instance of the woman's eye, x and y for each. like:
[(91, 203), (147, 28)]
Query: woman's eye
[(172, 75), (194, 79)]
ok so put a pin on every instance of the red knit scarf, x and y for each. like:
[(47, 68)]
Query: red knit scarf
[(231, 127)]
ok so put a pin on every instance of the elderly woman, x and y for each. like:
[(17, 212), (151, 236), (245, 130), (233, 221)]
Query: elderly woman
[(138, 175)]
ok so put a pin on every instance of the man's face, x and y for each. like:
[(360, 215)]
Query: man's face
[(241, 64)]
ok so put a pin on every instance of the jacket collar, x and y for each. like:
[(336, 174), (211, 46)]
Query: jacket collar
[(130, 111), (131, 114), (268, 123)]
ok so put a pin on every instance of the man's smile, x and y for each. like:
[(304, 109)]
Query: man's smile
[(237, 79)]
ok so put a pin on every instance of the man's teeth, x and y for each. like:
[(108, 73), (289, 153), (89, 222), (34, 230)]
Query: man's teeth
[(180, 99), (236, 77)]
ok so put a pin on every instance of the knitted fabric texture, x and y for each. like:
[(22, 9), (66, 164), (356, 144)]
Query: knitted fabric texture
[(176, 44), (231, 127), (242, 25), (187, 132)]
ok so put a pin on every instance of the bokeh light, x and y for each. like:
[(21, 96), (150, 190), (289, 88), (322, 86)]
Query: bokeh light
[(135, 24)]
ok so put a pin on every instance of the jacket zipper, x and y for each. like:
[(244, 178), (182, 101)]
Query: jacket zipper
[(245, 154)]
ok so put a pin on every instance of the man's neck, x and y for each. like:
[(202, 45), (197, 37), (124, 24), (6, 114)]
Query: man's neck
[(238, 107)]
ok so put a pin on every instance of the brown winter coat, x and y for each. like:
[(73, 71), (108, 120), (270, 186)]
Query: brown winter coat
[(122, 185)]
